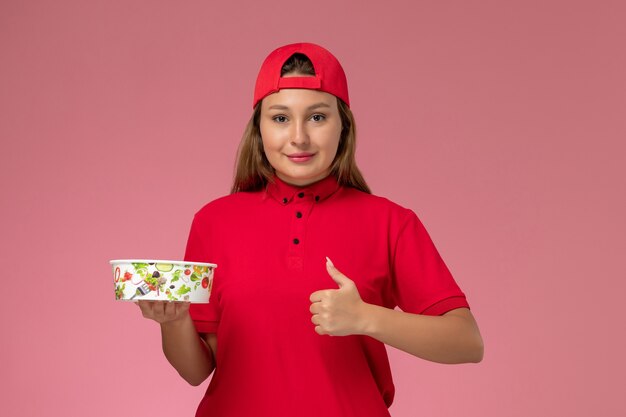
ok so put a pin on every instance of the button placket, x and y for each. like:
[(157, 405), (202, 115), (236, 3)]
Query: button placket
[(299, 208)]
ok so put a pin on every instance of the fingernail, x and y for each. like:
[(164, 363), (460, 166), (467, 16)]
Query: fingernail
[(328, 261)]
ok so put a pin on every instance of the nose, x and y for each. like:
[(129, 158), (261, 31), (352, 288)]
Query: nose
[(299, 134)]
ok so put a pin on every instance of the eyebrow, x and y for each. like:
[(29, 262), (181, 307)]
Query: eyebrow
[(312, 107)]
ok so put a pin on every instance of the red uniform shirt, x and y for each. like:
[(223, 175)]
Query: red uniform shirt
[(270, 247)]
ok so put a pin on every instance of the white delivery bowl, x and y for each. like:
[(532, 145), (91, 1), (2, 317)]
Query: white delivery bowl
[(150, 279)]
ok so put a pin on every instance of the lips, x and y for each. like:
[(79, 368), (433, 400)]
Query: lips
[(300, 157)]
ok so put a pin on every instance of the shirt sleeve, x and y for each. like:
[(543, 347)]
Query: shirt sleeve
[(205, 316), (422, 283)]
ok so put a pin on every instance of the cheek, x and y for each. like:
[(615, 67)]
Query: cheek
[(269, 151), (270, 138), (332, 143)]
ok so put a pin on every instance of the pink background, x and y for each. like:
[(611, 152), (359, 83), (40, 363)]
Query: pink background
[(501, 123)]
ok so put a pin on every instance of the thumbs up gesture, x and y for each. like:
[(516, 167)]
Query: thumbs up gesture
[(338, 312)]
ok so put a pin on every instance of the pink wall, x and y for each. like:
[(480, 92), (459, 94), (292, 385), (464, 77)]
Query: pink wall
[(501, 123)]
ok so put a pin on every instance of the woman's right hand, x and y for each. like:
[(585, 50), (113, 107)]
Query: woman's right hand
[(164, 311)]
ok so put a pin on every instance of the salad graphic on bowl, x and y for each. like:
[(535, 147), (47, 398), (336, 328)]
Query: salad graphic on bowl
[(162, 280)]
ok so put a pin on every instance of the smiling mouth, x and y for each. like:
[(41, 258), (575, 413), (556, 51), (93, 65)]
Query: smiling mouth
[(300, 157)]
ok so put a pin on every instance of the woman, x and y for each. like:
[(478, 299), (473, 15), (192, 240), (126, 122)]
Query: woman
[(298, 201)]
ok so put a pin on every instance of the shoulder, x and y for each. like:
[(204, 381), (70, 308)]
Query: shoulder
[(375, 204), (374, 211)]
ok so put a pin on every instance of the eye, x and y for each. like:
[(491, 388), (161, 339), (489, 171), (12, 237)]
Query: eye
[(318, 117), (279, 119)]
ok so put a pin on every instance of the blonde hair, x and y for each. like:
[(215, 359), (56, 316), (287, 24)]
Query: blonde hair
[(253, 171)]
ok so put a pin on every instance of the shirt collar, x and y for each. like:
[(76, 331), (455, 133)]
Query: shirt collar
[(318, 191)]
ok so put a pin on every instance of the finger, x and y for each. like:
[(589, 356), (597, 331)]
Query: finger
[(184, 306), (154, 311), (315, 308), (169, 309), (316, 296), (336, 275), (318, 330), (165, 309), (181, 308), (144, 307)]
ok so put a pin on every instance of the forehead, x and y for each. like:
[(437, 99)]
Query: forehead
[(298, 98)]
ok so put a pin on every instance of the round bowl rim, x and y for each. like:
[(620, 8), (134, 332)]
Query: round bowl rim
[(160, 261)]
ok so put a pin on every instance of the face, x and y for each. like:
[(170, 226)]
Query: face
[(300, 130)]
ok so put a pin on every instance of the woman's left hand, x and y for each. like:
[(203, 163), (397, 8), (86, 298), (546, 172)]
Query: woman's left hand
[(339, 312)]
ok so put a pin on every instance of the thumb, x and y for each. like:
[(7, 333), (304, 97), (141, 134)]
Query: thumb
[(335, 274)]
